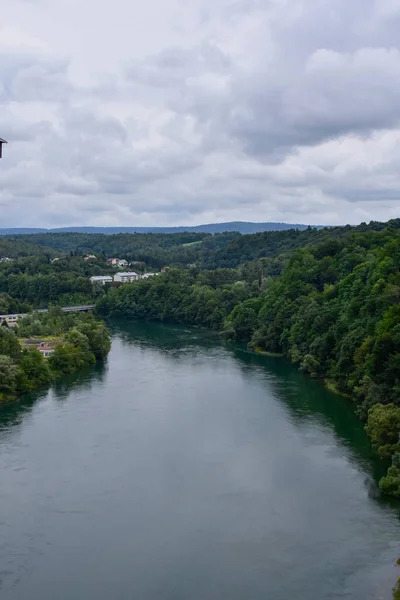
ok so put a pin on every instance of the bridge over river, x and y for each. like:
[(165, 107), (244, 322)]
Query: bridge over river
[(13, 318)]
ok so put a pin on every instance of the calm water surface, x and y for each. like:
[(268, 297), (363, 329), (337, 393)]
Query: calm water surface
[(186, 470)]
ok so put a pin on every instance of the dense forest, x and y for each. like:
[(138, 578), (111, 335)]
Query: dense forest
[(334, 310), (191, 296), (207, 251), (156, 250), (12, 247), (79, 341), (36, 282)]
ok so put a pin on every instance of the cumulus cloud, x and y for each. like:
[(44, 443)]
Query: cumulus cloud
[(180, 113)]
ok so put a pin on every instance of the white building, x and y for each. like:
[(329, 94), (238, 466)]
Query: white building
[(11, 320), (126, 277), (101, 279), (147, 275), (123, 263)]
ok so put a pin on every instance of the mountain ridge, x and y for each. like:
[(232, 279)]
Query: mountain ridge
[(243, 227)]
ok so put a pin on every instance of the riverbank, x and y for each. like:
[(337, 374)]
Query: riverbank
[(329, 384), (266, 353)]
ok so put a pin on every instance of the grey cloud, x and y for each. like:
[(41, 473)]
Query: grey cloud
[(22, 130), (173, 66), (334, 95), (36, 83), (264, 112), (77, 188), (84, 123), (33, 77), (319, 85), (364, 194)]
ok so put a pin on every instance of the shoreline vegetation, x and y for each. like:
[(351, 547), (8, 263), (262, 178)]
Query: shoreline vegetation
[(270, 354), (77, 340)]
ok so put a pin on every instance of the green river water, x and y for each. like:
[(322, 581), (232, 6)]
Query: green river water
[(184, 469)]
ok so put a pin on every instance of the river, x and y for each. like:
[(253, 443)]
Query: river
[(184, 469)]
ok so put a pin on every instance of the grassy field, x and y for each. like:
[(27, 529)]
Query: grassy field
[(192, 243)]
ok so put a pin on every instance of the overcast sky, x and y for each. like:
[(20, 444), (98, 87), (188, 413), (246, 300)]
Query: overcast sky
[(164, 112)]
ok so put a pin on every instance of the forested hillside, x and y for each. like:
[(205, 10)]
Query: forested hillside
[(14, 248), (156, 250), (117, 244), (271, 244), (207, 251)]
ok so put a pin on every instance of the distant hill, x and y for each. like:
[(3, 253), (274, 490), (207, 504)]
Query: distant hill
[(22, 230), (243, 227)]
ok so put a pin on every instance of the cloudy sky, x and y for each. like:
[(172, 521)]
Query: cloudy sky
[(164, 112)]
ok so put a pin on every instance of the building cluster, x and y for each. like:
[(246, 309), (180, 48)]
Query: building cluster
[(121, 277), (126, 277), (117, 262)]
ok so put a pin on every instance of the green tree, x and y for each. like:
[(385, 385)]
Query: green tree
[(383, 428), (78, 339), (67, 358), (242, 322), (98, 338), (9, 344), (34, 370), (310, 365), (8, 375), (390, 484)]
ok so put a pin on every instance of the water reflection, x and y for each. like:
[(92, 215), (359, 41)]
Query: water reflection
[(170, 341), (84, 380)]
